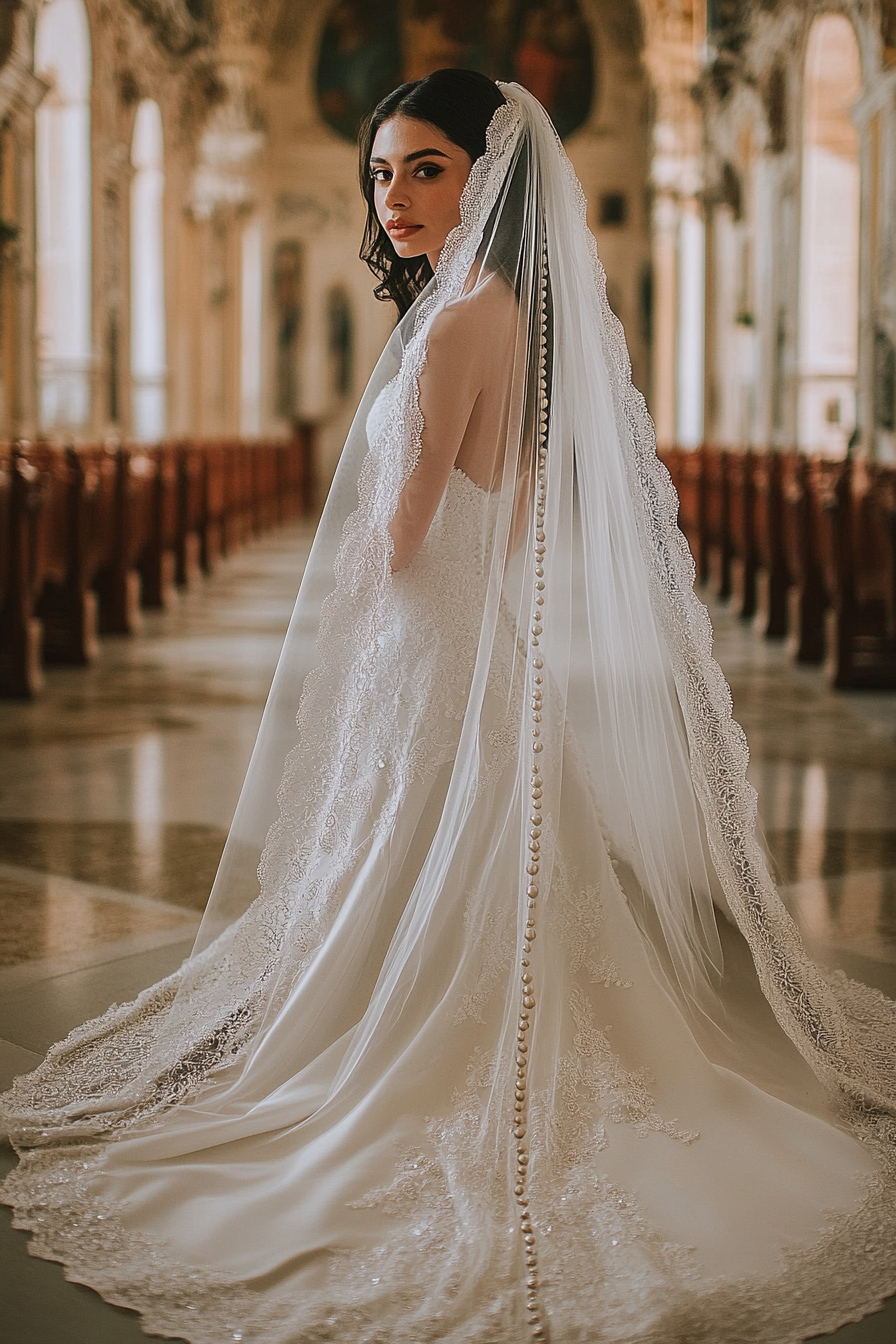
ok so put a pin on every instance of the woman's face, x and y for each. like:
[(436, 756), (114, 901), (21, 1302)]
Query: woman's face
[(419, 175)]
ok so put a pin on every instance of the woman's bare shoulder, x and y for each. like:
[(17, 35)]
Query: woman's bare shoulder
[(479, 319)]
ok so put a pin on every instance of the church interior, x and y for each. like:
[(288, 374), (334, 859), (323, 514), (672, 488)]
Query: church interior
[(186, 329)]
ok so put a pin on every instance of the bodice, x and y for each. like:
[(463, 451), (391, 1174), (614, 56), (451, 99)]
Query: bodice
[(455, 549), (435, 605)]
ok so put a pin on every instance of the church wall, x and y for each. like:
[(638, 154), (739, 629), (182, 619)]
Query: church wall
[(611, 155), (305, 182), (668, 178), (130, 64), (309, 203), (758, 183), (672, 52), (20, 93), (243, 80)]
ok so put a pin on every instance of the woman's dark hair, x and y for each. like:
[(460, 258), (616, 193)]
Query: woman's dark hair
[(461, 104)]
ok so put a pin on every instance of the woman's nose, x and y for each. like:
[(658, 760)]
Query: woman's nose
[(396, 195)]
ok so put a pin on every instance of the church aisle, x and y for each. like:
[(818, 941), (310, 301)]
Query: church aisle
[(116, 790)]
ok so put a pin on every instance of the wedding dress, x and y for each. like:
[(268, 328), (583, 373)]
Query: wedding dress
[(511, 1037)]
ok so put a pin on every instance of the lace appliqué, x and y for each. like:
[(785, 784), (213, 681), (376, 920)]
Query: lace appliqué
[(825, 1026), (592, 1081), (497, 938), (578, 918)]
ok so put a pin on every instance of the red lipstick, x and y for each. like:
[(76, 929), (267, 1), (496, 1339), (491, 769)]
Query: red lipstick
[(399, 229)]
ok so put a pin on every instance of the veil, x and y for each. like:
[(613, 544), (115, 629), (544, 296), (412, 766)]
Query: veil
[(422, 758)]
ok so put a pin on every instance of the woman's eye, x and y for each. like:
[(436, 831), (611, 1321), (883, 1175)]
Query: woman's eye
[(380, 174), (428, 170)]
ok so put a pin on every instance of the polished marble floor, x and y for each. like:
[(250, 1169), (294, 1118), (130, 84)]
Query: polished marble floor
[(117, 787)]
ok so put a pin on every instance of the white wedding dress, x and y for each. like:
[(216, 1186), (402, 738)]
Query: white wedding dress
[(402, 1098)]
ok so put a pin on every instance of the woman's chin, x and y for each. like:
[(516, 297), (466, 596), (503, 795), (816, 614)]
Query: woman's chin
[(410, 249)]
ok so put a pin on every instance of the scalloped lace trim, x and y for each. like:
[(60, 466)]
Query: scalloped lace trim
[(600, 1252), (597, 1251)]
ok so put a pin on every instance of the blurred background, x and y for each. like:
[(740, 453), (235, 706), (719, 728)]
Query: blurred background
[(185, 332), (179, 215)]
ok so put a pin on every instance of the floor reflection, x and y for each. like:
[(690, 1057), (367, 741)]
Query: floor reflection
[(856, 911), (117, 788), (824, 765), (53, 919), (828, 851), (118, 784), (124, 775), (168, 861)]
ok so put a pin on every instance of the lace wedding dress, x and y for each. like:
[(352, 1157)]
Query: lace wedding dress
[(513, 1037)]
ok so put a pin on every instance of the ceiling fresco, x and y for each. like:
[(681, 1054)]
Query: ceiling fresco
[(370, 46)]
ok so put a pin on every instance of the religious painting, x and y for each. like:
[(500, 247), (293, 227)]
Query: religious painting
[(776, 109), (369, 48), (440, 33), (287, 291), (340, 342), (550, 55), (884, 381), (888, 30), (359, 63)]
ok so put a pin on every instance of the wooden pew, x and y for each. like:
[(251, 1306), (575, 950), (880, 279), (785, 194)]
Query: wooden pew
[(235, 527), (773, 577), (685, 467), (882, 495), (215, 490), (192, 485), (6, 520), (157, 560), (863, 640), (118, 582), (75, 538), (302, 470), (267, 507), (829, 491), (717, 521), (744, 546), (245, 514), (85, 530), (808, 597), (23, 489)]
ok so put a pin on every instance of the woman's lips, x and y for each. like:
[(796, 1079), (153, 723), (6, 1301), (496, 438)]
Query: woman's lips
[(402, 231)]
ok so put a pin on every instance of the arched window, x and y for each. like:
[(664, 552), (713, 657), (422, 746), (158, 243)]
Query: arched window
[(829, 247), (148, 366), (62, 58)]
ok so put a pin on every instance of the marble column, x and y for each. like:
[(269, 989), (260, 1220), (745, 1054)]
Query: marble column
[(690, 351)]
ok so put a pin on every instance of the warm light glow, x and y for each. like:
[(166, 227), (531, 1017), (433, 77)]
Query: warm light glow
[(829, 262), (63, 171)]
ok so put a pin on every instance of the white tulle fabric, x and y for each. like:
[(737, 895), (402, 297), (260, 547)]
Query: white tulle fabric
[(512, 1034)]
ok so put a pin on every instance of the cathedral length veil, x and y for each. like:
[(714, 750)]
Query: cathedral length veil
[(486, 1055)]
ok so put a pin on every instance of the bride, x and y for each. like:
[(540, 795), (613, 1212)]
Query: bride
[(512, 1036)]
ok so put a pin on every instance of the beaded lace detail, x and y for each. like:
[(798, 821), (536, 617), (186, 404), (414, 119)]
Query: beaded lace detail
[(844, 1031), (376, 714), (597, 1247), (383, 712)]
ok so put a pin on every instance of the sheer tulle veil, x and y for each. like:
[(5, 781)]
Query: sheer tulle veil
[(442, 764)]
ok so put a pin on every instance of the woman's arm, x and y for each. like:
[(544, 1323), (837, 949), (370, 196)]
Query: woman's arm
[(450, 383)]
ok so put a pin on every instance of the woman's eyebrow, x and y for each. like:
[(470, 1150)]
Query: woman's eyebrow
[(417, 154)]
